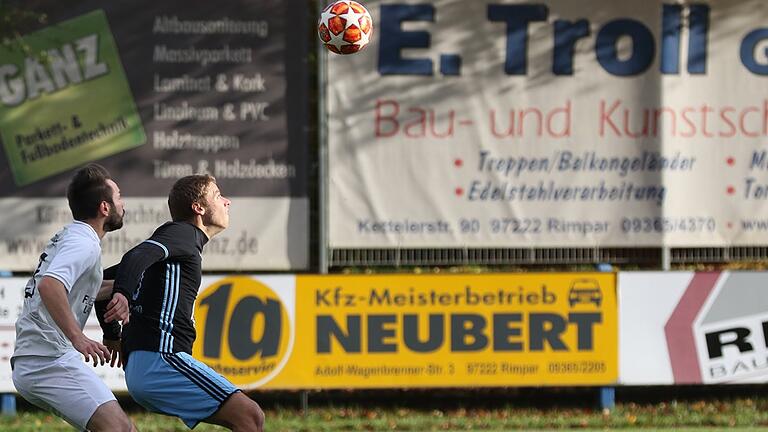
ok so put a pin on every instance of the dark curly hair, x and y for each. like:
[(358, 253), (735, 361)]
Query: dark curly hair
[(87, 189)]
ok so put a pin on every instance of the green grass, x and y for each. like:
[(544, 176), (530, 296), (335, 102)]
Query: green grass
[(742, 414)]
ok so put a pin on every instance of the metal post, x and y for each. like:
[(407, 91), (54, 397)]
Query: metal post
[(8, 404), (666, 258), (607, 396), (304, 402), (322, 160), (322, 145), (7, 400)]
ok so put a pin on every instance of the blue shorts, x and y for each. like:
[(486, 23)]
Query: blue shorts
[(177, 385)]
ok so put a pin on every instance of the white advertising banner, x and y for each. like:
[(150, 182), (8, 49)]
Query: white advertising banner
[(557, 123), (693, 328), (29, 224), (11, 301)]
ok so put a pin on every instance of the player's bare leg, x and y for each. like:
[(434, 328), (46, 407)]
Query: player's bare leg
[(109, 417), (240, 414)]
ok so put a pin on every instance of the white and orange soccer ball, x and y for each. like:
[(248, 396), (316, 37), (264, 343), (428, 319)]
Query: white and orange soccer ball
[(345, 27)]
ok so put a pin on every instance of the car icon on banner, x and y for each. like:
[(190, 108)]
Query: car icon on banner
[(585, 291)]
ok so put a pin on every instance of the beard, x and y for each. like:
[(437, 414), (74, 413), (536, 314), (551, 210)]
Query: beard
[(115, 220), (215, 219)]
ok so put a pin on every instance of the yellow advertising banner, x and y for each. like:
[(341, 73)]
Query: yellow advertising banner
[(285, 332)]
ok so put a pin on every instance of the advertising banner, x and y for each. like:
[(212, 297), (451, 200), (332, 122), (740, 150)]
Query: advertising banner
[(557, 123), (155, 91), (401, 331), (11, 302), (693, 328), (389, 331)]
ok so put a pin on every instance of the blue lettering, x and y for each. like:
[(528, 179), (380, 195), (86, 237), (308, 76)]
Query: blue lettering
[(670, 39), (566, 35), (450, 64), (394, 39), (643, 47), (747, 51), (517, 18), (698, 22)]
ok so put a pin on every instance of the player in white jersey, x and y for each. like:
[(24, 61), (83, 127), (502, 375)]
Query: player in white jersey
[(47, 366)]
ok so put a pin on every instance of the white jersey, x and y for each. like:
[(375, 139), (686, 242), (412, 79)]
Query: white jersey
[(73, 257)]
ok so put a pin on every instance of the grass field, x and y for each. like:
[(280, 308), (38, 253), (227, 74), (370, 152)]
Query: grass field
[(407, 420), (741, 409)]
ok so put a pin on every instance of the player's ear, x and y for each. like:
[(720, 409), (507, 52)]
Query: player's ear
[(198, 208), (104, 208)]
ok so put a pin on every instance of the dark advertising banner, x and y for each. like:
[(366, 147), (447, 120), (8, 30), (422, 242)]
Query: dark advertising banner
[(155, 91)]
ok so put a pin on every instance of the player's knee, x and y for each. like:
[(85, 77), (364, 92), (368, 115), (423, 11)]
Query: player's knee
[(242, 414), (254, 418), (126, 425), (116, 424), (109, 417), (258, 417), (122, 422)]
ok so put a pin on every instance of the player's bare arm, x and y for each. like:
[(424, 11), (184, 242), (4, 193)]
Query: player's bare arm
[(118, 308), (105, 290), (53, 294)]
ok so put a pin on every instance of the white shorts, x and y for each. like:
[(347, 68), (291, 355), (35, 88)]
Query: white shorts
[(65, 385)]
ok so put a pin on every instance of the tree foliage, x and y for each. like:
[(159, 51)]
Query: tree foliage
[(15, 20)]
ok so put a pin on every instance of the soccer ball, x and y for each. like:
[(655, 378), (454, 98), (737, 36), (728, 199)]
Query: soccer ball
[(345, 27)]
